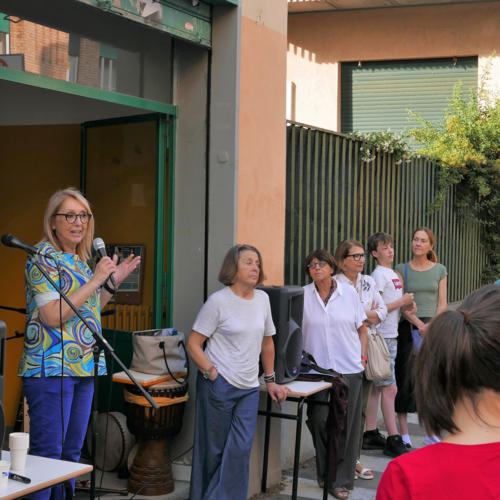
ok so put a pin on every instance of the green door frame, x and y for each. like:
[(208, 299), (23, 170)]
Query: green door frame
[(163, 278), (166, 116)]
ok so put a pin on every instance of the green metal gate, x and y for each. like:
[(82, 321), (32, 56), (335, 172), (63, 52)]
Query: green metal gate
[(332, 195)]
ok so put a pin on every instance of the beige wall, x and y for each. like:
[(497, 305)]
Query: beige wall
[(262, 146), (318, 42), (261, 165)]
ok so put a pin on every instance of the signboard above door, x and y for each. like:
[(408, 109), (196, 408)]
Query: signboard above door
[(187, 19)]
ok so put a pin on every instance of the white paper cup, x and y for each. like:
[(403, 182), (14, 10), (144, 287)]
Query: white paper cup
[(18, 444), (4, 472)]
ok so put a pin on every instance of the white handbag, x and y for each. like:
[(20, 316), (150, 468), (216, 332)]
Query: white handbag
[(378, 366)]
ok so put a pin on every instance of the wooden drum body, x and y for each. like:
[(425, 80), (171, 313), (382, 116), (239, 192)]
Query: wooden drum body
[(151, 471)]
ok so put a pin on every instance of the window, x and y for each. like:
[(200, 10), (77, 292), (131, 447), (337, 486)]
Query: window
[(107, 73)]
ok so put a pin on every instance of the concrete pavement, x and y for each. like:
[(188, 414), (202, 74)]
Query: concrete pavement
[(308, 488), (364, 489)]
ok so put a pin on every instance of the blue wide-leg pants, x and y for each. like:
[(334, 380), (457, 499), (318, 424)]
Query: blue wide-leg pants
[(225, 423), (43, 395)]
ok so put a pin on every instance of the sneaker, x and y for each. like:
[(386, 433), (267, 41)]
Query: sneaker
[(395, 446), (373, 440)]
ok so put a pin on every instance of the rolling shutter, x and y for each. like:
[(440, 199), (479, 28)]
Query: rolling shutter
[(377, 95)]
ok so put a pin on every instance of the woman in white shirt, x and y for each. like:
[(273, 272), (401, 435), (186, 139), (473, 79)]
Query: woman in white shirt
[(350, 257), (334, 333), (237, 326)]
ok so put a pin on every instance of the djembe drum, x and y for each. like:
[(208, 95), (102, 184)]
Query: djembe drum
[(151, 470)]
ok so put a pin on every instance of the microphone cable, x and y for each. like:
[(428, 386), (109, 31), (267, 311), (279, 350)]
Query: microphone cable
[(63, 437), (110, 374)]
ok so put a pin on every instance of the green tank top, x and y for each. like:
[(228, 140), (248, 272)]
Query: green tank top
[(425, 286)]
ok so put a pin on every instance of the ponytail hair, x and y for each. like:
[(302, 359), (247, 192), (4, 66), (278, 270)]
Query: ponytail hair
[(431, 254), (459, 358)]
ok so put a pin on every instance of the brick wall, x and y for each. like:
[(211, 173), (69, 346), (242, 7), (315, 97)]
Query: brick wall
[(46, 52), (45, 49)]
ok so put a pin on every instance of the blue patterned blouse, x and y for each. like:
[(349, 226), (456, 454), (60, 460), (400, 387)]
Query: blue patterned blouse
[(42, 344)]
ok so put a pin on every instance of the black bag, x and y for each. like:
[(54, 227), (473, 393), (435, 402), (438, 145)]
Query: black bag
[(308, 363)]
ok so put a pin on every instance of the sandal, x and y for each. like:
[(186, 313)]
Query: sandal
[(342, 493), (362, 472)]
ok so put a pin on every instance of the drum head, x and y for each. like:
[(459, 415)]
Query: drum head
[(114, 441)]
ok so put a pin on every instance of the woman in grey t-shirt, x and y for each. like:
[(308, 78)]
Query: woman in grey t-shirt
[(237, 326)]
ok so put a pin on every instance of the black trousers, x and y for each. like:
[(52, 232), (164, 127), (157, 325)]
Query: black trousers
[(403, 368)]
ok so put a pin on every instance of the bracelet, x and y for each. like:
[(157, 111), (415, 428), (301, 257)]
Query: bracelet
[(206, 373), (270, 378), (108, 288), (364, 358)]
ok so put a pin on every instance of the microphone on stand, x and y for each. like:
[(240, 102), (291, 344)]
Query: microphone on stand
[(100, 249), (10, 240)]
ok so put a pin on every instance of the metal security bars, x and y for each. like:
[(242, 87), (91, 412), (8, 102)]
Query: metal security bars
[(332, 195)]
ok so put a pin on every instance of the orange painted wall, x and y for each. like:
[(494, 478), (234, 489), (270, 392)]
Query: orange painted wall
[(262, 140), (317, 42), (34, 162)]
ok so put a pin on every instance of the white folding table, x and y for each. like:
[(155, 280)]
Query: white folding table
[(43, 472)]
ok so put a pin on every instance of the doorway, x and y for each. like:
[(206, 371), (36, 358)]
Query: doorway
[(43, 146), (125, 174)]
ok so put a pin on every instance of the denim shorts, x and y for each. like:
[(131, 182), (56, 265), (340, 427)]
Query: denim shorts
[(392, 345)]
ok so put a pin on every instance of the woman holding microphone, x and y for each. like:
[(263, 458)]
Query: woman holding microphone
[(57, 364)]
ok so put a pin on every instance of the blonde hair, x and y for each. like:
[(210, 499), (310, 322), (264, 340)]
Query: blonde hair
[(83, 249)]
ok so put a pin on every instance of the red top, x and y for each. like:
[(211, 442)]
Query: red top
[(444, 471)]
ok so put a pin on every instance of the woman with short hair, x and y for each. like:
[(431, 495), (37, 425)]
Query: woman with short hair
[(350, 256), (334, 333), (237, 326), (458, 394)]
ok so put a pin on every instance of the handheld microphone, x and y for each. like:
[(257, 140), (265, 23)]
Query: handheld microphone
[(100, 249), (10, 240)]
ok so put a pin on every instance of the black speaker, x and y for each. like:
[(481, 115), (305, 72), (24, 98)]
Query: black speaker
[(287, 307)]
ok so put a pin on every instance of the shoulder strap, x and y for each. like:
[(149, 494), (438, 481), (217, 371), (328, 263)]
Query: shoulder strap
[(406, 278)]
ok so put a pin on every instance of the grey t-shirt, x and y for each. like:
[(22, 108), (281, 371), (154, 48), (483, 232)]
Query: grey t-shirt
[(235, 328)]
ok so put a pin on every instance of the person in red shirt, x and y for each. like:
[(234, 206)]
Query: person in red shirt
[(457, 391)]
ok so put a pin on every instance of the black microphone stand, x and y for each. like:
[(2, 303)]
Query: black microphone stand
[(100, 344)]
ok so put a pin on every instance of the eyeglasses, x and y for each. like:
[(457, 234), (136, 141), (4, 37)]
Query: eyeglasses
[(357, 256), (320, 263), (71, 218)]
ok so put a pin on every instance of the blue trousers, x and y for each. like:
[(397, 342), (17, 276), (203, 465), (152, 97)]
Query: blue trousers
[(225, 423), (46, 425)]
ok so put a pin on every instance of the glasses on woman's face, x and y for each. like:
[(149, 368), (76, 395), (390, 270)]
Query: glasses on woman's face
[(357, 256), (320, 263), (71, 218)]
